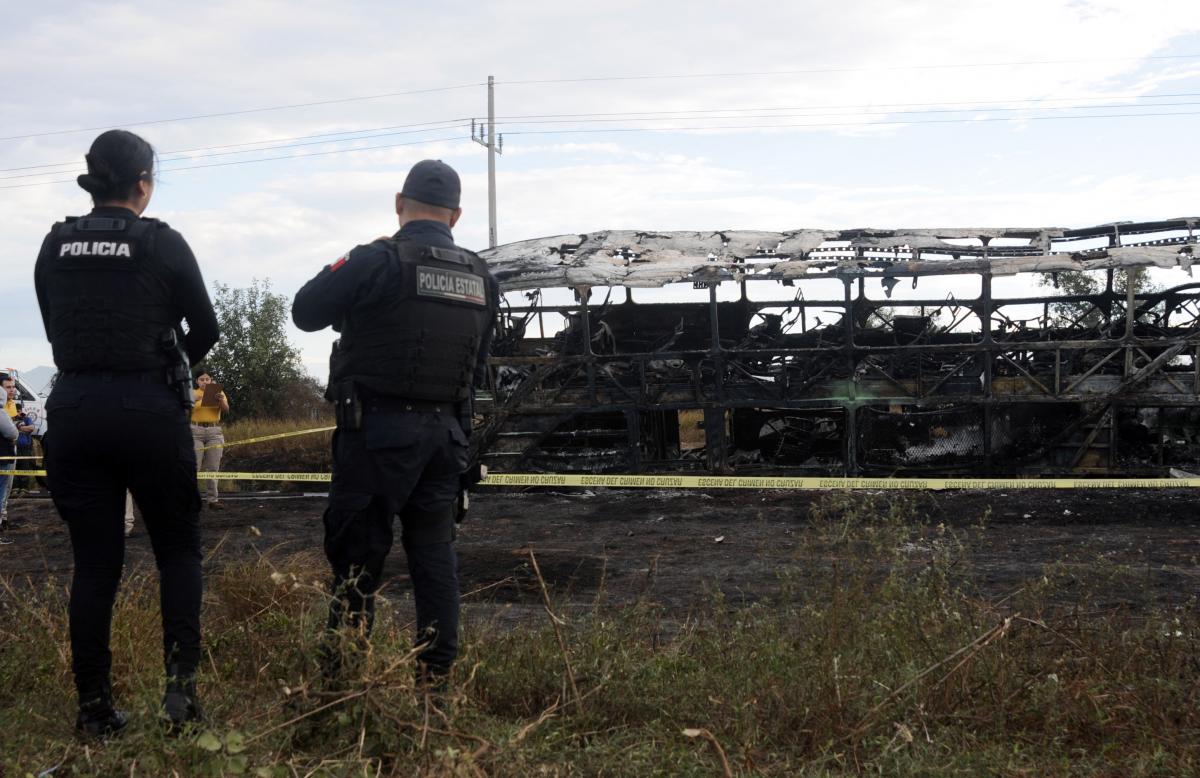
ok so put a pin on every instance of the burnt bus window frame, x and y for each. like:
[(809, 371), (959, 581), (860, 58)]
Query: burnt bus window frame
[(1023, 383)]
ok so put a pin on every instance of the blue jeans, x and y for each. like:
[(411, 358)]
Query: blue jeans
[(5, 484)]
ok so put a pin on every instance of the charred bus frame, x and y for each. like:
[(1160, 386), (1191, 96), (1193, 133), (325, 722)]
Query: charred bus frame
[(1101, 381)]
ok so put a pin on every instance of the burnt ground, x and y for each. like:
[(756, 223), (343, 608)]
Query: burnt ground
[(677, 547)]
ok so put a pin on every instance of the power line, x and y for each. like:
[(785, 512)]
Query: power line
[(331, 137), (315, 154), (594, 79), (846, 124), (572, 118), (818, 115), (244, 111), (646, 129), (627, 130), (253, 161), (256, 150), (842, 69), (431, 126), (866, 105)]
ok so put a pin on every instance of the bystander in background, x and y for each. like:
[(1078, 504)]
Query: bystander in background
[(25, 457), (211, 402), (8, 450)]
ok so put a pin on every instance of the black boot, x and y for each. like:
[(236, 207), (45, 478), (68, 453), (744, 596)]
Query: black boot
[(179, 703), (341, 656), (432, 677), (346, 634), (97, 716), (329, 657), (433, 686)]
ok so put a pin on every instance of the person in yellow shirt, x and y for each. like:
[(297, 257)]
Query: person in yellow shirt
[(8, 448), (8, 395), (207, 435)]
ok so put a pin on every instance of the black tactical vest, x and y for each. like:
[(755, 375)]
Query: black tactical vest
[(109, 302), (419, 339)]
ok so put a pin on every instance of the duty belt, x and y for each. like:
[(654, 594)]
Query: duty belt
[(386, 403), (158, 376)]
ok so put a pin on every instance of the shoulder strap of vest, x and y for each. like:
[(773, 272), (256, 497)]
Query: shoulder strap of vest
[(151, 227), (66, 226), (407, 250), (478, 262), (143, 227), (455, 255), (480, 266)]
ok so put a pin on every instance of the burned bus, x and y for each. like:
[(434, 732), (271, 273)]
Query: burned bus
[(963, 351)]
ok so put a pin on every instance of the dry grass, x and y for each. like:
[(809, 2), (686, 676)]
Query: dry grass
[(901, 673), (299, 454)]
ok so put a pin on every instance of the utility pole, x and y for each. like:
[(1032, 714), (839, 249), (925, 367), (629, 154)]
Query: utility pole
[(494, 147)]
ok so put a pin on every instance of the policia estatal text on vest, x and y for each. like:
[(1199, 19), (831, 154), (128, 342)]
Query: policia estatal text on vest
[(114, 289), (415, 313)]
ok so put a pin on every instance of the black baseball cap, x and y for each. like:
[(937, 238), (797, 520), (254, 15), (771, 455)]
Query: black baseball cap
[(433, 182)]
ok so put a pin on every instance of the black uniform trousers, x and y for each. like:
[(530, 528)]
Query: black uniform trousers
[(406, 462), (108, 433)]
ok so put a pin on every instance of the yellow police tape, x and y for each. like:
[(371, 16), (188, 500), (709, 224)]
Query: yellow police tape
[(783, 482), (316, 477), (207, 475), (260, 439), (747, 482)]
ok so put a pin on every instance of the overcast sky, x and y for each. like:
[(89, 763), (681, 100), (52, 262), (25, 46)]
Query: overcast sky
[(885, 114)]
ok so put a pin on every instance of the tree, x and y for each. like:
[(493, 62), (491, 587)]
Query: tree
[(1093, 283), (253, 360)]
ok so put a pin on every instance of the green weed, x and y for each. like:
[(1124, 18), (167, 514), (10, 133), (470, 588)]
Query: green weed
[(880, 659)]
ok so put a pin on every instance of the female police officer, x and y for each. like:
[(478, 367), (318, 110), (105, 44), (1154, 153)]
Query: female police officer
[(113, 288)]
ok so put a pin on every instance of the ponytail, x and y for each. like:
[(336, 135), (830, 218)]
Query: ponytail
[(116, 162)]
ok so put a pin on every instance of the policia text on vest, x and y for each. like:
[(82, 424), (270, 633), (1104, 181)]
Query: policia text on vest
[(450, 285), (96, 248)]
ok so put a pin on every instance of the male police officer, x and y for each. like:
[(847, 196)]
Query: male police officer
[(415, 314)]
